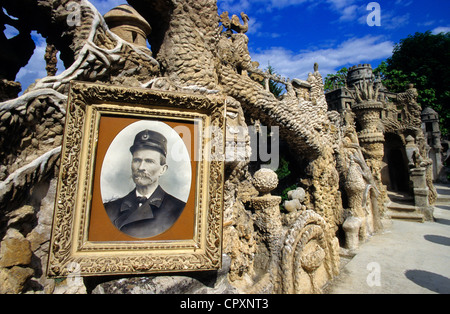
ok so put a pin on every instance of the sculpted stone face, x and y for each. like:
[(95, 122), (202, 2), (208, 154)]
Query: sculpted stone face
[(146, 167)]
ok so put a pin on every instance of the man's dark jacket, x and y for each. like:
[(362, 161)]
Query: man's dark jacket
[(152, 218)]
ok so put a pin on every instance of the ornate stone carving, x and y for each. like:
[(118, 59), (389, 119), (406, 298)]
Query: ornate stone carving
[(299, 254), (51, 60), (265, 180), (351, 228), (411, 109), (192, 55), (101, 54), (296, 198), (303, 265), (234, 23)]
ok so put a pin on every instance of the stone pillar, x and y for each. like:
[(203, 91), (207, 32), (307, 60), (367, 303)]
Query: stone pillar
[(267, 215), (51, 60), (419, 183), (372, 141), (351, 228), (268, 218), (418, 176), (368, 110), (432, 133)]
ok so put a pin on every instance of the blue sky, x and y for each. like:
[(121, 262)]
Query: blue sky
[(293, 34)]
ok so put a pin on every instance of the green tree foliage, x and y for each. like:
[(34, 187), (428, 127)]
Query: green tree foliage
[(334, 81), (283, 170), (424, 60), (275, 88)]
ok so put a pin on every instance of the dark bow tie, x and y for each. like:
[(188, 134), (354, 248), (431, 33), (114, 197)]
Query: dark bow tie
[(141, 199)]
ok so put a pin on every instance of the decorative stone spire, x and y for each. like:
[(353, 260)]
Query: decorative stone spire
[(128, 24)]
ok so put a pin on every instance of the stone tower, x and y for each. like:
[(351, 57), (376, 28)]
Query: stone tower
[(368, 110), (128, 24), (430, 127), (358, 73)]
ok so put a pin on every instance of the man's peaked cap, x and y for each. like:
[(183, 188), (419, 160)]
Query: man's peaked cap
[(150, 140)]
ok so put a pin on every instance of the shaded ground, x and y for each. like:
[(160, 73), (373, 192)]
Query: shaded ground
[(407, 258)]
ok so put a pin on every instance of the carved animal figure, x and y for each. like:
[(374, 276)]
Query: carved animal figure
[(235, 23)]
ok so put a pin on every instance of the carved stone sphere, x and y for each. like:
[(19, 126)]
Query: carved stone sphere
[(265, 181)]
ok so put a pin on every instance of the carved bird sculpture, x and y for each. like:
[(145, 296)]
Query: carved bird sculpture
[(236, 23)]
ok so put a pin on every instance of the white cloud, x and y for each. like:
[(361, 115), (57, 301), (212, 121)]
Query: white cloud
[(233, 6), (35, 69), (237, 6), (348, 10), (351, 52), (426, 23), (441, 29), (254, 26), (349, 13), (284, 3), (345, 8), (340, 4), (405, 3), (390, 21)]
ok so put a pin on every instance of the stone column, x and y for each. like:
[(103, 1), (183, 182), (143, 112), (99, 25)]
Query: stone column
[(432, 133), (372, 141), (351, 228), (418, 178), (267, 215)]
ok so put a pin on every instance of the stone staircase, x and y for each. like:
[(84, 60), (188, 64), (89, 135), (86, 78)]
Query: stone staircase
[(443, 191), (402, 207)]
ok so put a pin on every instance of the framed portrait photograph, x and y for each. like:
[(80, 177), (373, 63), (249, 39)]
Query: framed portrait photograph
[(140, 188)]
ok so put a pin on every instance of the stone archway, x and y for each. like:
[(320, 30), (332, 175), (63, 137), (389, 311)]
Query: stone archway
[(395, 173)]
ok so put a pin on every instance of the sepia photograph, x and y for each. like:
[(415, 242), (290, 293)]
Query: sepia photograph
[(146, 179)]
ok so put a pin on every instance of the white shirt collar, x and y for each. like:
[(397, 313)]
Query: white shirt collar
[(140, 195)]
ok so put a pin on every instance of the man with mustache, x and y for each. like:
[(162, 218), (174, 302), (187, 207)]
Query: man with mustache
[(148, 210)]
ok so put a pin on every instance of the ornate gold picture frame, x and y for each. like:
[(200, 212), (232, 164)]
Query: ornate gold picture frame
[(96, 226)]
